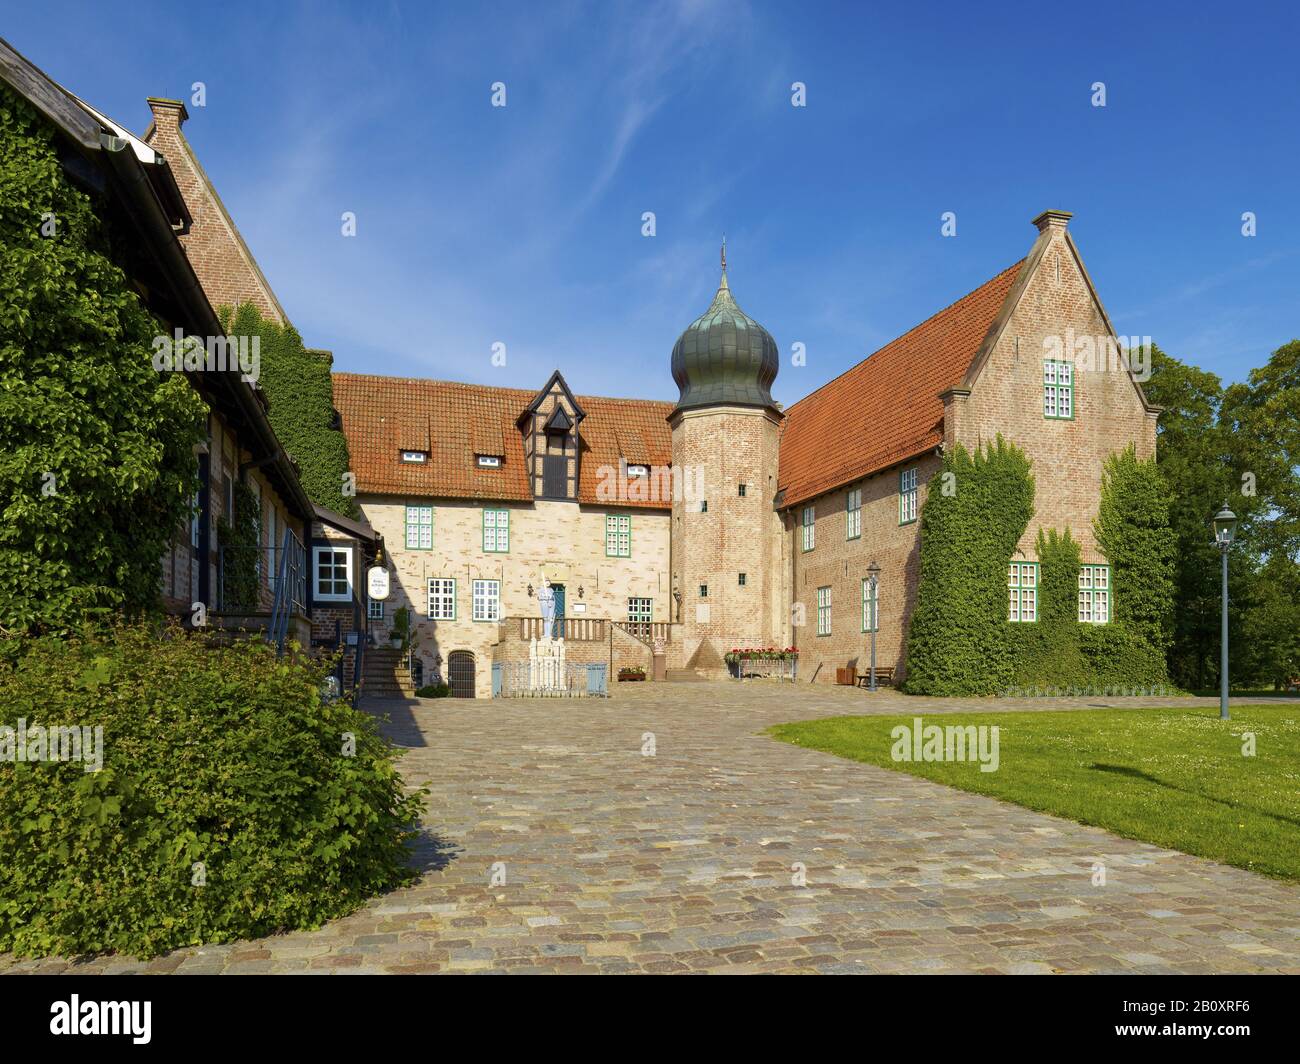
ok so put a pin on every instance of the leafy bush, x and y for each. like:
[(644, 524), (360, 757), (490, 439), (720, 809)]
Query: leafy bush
[(976, 509), (97, 465), (297, 383), (433, 690), (229, 803)]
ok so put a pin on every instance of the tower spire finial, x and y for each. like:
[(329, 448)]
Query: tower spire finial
[(724, 252)]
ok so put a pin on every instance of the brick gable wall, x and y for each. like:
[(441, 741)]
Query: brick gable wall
[(224, 265)]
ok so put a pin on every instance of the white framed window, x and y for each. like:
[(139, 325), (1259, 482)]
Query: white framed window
[(486, 600), (331, 574), (489, 461), (419, 528), (639, 610), (870, 605), (496, 531), (618, 536), (375, 609), (1058, 390), (1094, 594), (853, 515), (638, 471), (415, 456), (823, 611), (907, 492), (442, 599), (809, 528), (1022, 586)]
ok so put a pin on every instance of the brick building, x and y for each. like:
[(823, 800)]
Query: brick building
[(716, 522)]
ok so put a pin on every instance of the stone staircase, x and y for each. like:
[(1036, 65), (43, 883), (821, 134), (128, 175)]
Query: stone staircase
[(385, 674)]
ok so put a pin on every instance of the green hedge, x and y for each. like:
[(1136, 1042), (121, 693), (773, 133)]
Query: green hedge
[(227, 806), (297, 383)]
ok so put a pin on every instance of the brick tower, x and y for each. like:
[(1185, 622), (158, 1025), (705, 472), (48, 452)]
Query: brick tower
[(726, 535)]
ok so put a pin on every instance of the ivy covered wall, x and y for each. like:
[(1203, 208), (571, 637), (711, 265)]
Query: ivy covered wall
[(961, 641), (297, 383), (97, 464)]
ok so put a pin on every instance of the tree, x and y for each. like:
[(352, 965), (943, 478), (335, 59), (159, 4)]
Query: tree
[(97, 468)]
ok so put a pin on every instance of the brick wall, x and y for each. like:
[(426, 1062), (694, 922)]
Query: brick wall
[(224, 265), (564, 541), (841, 564), (1006, 396), (722, 448)]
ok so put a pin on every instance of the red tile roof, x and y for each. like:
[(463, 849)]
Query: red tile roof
[(383, 416), (886, 409)]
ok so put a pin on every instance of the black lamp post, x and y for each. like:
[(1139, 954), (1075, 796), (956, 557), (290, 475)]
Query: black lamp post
[(873, 582), (1225, 529)]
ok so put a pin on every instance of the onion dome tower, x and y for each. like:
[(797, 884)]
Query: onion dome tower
[(726, 534), (724, 355)]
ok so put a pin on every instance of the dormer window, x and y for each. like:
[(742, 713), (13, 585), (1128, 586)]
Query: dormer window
[(415, 456), (638, 471), (489, 461)]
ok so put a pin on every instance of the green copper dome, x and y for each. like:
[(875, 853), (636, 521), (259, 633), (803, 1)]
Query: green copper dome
[(724, 357)]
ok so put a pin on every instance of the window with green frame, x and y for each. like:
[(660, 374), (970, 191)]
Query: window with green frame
[(870, 605), (823, 611), (618, 536), (1094, 594), (419, 528), (496, 531), (1058, 390), (1022, 587), (809, 528), (853, 515), (907, 492)]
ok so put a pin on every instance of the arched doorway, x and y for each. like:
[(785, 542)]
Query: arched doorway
[(460, 673)]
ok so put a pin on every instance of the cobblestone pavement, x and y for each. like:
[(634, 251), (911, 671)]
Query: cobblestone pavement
[(682, 862)]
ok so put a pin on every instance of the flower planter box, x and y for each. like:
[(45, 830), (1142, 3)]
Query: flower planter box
[(630, 677)]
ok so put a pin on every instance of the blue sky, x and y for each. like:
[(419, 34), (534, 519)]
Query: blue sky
[(522, 224)]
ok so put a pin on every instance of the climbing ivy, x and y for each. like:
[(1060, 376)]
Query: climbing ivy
[(977, 508), (97, 467), (297, 383), (1049, 652), (240, 542)]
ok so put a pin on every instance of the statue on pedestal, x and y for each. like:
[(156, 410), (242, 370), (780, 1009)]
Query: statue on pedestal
[(546, 601)]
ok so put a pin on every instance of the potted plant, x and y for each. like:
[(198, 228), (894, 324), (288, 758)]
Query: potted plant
[(630, 673), (400, 633)]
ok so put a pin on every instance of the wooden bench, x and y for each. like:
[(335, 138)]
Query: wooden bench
[(884, 677)]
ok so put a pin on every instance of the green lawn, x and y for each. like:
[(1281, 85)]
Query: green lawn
[(1174, 777)]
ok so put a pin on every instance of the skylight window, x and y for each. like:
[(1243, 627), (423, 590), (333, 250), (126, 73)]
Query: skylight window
[(489, 461), (415, 456), (638, 471)]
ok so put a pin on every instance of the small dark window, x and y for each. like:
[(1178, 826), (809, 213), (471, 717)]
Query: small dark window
[(704, 591), (704, 506), (742, 579), (742, 491)]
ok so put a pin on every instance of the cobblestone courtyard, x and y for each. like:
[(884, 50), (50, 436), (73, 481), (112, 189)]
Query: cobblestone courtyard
[(682, 862)]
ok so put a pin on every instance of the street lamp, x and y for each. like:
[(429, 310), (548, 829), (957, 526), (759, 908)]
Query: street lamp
[(1225, 528), (873, 581)]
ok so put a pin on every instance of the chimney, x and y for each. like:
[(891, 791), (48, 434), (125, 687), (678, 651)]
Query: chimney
[(168, 115), (1054, 220)]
